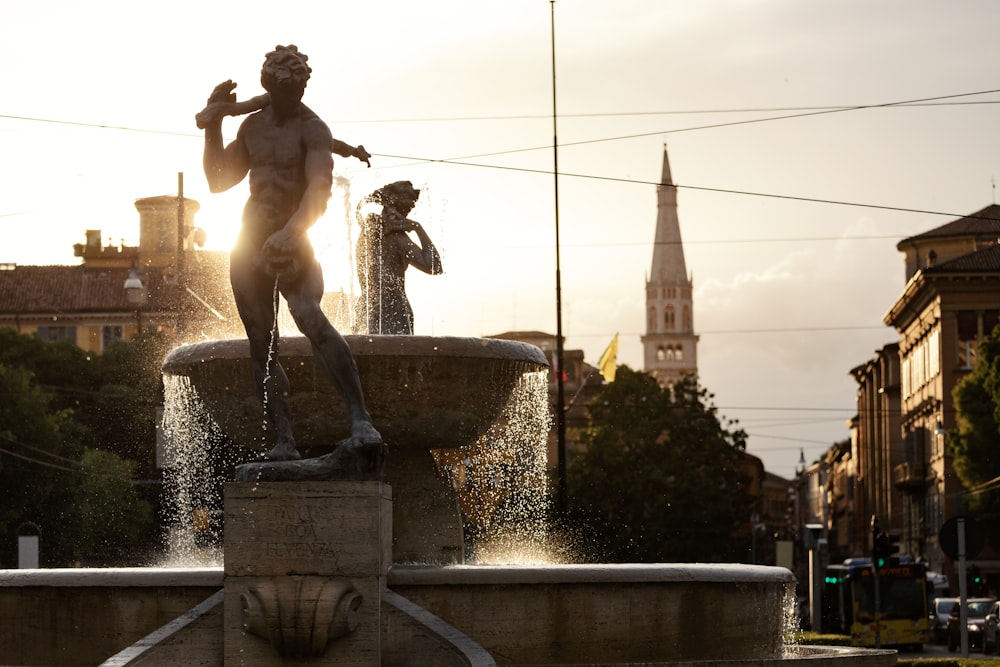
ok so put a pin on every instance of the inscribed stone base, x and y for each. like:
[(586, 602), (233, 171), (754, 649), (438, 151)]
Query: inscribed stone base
[(305, 566)]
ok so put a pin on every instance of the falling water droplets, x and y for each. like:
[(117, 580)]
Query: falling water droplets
[(505, 484), (192, 493)]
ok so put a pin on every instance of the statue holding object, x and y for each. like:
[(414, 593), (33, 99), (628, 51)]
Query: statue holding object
[(285, 148), (384, 251)]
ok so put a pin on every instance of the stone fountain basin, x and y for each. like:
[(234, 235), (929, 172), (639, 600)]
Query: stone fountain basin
[(673, 614), (436, 392)]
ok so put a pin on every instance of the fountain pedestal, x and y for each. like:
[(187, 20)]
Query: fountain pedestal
[(305, 566)]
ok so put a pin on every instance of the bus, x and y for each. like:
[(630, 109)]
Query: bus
[(849, 602)]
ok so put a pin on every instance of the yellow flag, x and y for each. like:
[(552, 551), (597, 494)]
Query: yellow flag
[(609, 360)]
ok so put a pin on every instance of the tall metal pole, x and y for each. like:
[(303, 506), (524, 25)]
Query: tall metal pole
[(180, 226), (876, 552), (963, 592), (560, 368)]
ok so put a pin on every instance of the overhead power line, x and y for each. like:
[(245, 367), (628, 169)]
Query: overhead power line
[(748, 193), (713, 332), (462, 160), (632, 114), (768, 119), (800, 112), (39, 462)]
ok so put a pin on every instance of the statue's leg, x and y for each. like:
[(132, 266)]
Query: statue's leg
[(329, 348), (254, 293)]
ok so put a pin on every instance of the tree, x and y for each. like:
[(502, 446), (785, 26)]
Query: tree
[(658, 476), (113, 518), (39, 450), (66, 372), (131, 386), (54, 399), (975, 442)]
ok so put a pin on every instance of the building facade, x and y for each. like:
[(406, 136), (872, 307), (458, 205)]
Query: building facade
[(163, 284), (877, 447), (950, 302), (670, 346), (899, 468)]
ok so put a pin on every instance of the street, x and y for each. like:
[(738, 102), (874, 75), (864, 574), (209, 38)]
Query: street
[(941, 651)]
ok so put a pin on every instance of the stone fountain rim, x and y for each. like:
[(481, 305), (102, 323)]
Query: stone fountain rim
[(453, 347), (113, 576), (403, 575), (611, 573)]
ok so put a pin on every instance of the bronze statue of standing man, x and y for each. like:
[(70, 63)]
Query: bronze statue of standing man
[(286, 150)]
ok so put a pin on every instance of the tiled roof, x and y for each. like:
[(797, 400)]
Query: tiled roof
[(62, 289), (986, 260), (44, 290), (981, 223)]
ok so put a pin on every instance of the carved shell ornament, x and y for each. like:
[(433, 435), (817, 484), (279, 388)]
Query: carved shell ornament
[(300, 616)]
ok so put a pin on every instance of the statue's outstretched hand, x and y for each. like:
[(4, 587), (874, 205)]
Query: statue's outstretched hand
[(221, 99), (363, 155), (223, 92)]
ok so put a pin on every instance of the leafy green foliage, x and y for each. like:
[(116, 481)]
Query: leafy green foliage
[(55, 399), (658, 477), (125, 404), (975, 443), (112, 516), (39, 447)]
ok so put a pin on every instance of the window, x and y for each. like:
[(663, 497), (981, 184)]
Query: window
[(661, 354), (968, 333), (679, 353), (904, 376), (668, 318), (934, 353), (51, 333), (990, 320), (110, 333)]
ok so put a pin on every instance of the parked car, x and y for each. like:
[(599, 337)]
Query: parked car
[(991, 630), (976, 611), (940, 608)]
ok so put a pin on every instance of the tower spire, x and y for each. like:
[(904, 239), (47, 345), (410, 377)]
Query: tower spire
[(668, 251), (670, 344)]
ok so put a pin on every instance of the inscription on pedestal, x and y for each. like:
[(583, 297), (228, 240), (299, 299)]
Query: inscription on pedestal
[(316, 553), (326, 528)]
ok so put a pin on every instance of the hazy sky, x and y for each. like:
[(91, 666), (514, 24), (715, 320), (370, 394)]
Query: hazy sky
[(456, 96)]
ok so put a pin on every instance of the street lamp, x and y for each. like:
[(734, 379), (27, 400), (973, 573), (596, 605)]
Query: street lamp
[(135, 295)]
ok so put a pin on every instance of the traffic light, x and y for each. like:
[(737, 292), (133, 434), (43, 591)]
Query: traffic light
[(975, 579), (885, 549)]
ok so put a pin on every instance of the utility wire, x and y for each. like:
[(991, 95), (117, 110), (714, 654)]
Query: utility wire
[(39, 462), (461, 161), (79, 469), (801, 111), (884, 105), (680, 186), (715, 332), (626, 114), (40, 450)]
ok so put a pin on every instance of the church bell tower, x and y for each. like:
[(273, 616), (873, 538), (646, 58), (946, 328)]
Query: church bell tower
[(670, 346)]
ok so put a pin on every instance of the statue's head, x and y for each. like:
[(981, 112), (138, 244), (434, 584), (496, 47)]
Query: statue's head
[(285, 68), (401, 195)]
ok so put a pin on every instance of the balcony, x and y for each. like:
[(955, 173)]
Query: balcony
[(909, 476)]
